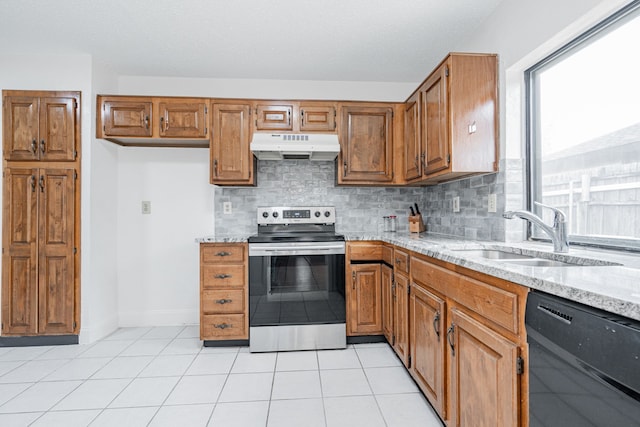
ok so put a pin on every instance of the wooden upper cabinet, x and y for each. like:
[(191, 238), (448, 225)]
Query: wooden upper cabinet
[(412, 147), (183, 119), (127, 117), (317, 118), (152, 121), (435, 130), (366, 145), (274, 117), (231, 159), (457, 120), (41, 127)]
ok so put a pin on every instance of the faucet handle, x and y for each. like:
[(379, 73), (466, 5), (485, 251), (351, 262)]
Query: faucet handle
[(559, 215)]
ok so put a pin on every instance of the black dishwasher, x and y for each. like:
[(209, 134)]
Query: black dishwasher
[(584, 365)]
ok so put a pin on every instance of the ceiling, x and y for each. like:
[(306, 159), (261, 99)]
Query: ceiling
[(333, 40)]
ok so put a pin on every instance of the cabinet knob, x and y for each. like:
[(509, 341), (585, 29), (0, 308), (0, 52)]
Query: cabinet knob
[(223, 301)]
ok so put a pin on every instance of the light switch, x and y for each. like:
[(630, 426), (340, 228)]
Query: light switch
[(146, 207)]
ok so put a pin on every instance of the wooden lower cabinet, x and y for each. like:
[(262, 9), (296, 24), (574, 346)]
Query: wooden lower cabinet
[(364, 300), (466, 340), (427, 338), (484, 384), (224, 291), (39, 287), (401, 317)]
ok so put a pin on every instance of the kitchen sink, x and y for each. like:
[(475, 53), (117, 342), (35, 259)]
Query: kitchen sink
[(514, 258)]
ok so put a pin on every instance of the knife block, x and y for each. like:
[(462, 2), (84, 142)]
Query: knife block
[(415, 224)]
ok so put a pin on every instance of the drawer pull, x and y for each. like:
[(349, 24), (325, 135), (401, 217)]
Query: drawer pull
[(223, 326), (223, 301), (436, 324), (222, 276), (398, 261), (223, 253)]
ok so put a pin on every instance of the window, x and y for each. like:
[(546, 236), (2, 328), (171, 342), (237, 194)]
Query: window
[(583, 144)]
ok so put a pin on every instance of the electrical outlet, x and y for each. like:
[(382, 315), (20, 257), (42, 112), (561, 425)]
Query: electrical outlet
[(456, 204), (226, 208), (146, 207), (492, 203)]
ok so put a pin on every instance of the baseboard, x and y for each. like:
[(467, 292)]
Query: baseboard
[(94, 332), (11, 341), (158, 318)]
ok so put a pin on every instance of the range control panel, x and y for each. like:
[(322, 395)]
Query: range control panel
[(297, 215)]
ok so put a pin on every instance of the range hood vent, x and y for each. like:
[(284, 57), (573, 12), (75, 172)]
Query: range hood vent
[(317, 147)]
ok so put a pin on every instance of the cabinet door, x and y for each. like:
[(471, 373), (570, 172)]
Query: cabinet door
[(20, 122), (412, 147), (387, 302), (274, 117), (56, 290), (127, 118), (317, 118), (366, 145), (231, 157), (364, 314), (435, 121), (183, 119), (427, 337), (57, 128), (20, 256), (401, 318), (484, 383)]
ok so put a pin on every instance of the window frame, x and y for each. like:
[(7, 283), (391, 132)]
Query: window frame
[(533, 150)]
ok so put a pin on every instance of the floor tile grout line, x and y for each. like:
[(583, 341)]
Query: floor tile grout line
[(373, 393)]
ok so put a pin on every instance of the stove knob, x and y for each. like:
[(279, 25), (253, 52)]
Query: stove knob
[(275, 214), (265, 214), (327, 214), (317, 214)]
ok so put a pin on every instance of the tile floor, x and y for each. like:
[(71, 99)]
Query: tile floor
[(164, 377)]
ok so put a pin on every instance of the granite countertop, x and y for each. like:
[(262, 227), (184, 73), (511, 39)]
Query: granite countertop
[(609, 280)]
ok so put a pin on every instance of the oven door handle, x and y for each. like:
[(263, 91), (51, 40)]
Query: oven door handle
[(296, 250)]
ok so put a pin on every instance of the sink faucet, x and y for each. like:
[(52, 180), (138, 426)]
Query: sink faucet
[(558, 232)]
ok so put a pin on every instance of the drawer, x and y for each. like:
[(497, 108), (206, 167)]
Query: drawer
[(401, 261), (218, 254), (223, 326), (433, 276), (222, 276), (223, 301), (365, 252)]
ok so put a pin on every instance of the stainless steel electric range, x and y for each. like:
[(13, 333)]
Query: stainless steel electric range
[(296, 280)]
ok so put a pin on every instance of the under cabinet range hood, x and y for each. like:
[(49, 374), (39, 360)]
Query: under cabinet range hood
[(283, 146)]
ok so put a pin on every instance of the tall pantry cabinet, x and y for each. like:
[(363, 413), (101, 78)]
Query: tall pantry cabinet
[(41, 213)]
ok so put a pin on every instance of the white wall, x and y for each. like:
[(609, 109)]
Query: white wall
[(99, 243), (158, 259)]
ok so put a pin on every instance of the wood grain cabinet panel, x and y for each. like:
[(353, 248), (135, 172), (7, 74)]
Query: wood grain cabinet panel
[(132, 118), (366, 145), (40, 128), (39, 262), (427, 337), (224, 291), (183, 119), (412, 146), (231, 159), (364, 300), (274, 117), (386, 277), (401, 317), (316, 118)]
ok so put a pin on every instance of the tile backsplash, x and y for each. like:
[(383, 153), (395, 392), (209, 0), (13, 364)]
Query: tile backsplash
[(360, 209)]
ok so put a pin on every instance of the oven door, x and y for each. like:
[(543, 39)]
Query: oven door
[(296, 289)]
